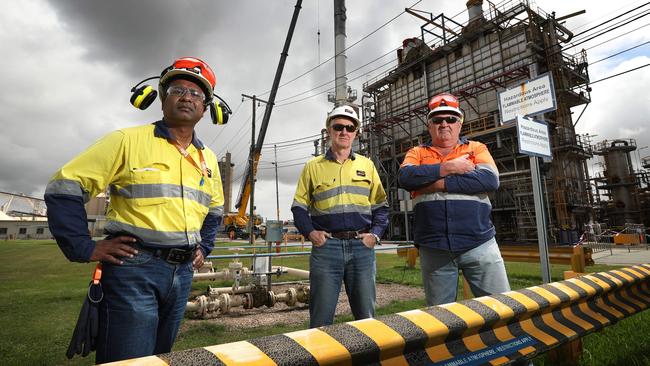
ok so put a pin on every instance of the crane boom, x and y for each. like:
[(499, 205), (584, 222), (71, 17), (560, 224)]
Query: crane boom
[(245, 188)]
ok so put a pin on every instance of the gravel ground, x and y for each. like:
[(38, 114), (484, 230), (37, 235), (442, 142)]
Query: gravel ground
[(239, 318)]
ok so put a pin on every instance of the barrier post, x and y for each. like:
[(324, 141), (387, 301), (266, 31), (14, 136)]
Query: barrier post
[(411, 257)]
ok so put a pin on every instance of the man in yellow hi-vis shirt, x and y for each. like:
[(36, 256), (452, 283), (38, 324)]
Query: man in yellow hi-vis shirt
[(340, 205), (166, 203)]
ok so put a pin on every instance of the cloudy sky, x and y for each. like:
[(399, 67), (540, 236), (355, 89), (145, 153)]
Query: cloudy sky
[(68, 67)]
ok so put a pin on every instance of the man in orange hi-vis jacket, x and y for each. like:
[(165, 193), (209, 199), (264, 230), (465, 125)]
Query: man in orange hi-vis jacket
[(449, 180)]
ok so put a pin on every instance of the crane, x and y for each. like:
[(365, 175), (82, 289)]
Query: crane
[(235, 223)]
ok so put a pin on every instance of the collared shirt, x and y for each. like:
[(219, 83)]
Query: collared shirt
[(334, 196), (156, 195), (458, 219)]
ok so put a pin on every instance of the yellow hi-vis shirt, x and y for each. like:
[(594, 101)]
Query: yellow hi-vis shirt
[(334, 196), (156, 194)]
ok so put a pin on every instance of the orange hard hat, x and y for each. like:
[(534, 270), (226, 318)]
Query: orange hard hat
[(193, 68)]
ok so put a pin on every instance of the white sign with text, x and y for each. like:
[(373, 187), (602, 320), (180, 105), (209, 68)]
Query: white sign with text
[(532, 97), (534, 138)]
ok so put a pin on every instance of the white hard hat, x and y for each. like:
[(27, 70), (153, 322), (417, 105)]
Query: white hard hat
[(343, 111)]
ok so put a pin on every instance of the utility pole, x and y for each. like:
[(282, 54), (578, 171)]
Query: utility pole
[(315, 148), (277, 190), (251, 170)]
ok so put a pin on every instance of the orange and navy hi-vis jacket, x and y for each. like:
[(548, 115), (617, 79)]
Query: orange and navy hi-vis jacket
[(458, 219)]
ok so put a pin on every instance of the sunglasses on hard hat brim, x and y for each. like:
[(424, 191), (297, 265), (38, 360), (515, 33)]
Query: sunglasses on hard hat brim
[(445, 99)]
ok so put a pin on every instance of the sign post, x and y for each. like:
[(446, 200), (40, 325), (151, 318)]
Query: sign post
[(534, 140)]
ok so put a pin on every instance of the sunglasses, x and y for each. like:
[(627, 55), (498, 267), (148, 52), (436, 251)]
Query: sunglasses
[(339, 128), (448, 119)]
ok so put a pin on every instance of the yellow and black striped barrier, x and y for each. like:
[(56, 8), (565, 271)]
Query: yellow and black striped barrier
[(497, 329)]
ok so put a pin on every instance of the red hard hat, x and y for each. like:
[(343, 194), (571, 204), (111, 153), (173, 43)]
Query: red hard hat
[(444, 102), (193, 68)]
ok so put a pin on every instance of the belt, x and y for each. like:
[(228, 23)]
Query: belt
[(171, 255), (347, 235)]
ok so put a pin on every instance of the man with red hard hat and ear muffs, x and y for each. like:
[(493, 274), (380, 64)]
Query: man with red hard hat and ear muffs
[(166, 203)]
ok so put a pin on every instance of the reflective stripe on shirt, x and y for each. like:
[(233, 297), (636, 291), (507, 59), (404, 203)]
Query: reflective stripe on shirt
[(162, 190), (444, 196)]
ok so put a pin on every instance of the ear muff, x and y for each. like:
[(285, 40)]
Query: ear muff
[(219, 111), (143, 96)]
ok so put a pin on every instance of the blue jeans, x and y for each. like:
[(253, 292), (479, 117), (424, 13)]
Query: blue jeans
[(144, 303), (349, 261), (482, 267)]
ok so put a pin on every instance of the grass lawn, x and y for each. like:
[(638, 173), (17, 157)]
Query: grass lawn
[(41, 294)]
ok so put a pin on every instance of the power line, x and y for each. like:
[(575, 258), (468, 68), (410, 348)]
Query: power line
[(609, 20), (619, 74), (330, 89), (333, 80), (618, 53), (230, 118), (294, 148), (349, 73), (611, 29), (241, 127), (347, 48), (298, 139), (587, 38), (605, 15), (617, 37), (302, 158), (269, 147), (283, 166)]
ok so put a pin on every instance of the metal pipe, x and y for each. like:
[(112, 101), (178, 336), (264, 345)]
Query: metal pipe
[(228, 256), (214, 292), (296, 254), (292, 271), (211, 306), (261, 246), (225, 274)]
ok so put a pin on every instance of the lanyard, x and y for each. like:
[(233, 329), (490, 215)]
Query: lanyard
[(203, 168)]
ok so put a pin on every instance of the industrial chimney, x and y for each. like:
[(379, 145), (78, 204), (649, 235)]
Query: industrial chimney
[(474, 10)]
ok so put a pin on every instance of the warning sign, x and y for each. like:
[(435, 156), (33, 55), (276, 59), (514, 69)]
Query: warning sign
[(533, 137), (532, 97)]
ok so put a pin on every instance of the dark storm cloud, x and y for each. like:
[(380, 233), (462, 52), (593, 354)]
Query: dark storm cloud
[(138, 34)]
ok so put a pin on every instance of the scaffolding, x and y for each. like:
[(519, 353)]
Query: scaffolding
[(497, 49)]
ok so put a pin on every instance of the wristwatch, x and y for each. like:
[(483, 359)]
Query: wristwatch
[(377, 239)]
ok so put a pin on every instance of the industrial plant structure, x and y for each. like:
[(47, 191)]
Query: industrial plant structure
[(500, 47)]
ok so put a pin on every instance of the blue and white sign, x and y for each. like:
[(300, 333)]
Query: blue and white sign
[(533, 137), (532, 97), (486, 355)]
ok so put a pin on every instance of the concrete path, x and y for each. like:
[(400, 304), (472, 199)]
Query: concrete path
[(623, 256)]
